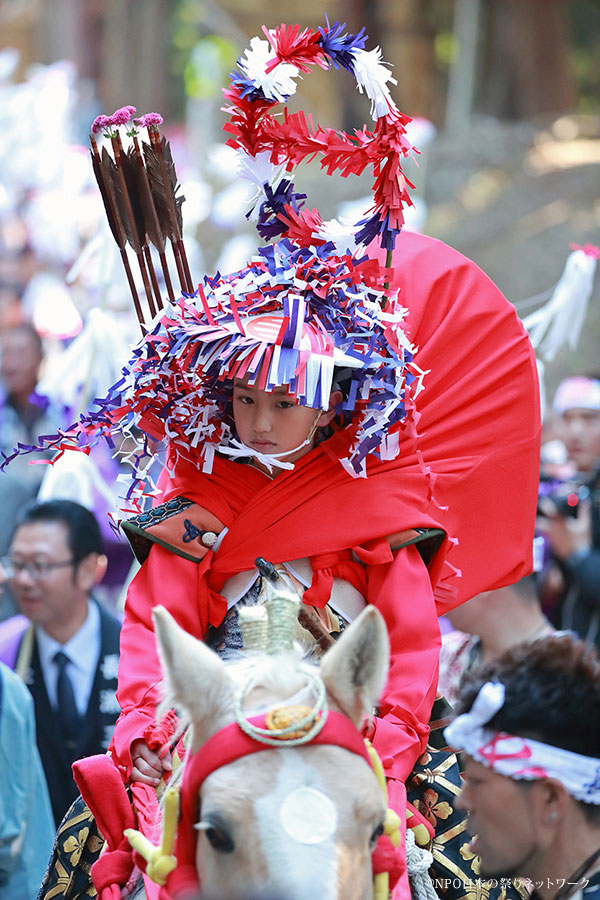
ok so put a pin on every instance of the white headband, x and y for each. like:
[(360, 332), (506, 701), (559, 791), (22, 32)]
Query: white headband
[(519, 757), (577, 392)]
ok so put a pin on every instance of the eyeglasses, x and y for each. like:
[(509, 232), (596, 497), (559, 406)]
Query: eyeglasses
[(35, 569)]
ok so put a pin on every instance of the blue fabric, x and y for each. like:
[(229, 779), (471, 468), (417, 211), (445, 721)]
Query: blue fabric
[(26, 822), (592, 889)]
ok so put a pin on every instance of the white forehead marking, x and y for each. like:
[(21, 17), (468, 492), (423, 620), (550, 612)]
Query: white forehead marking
[(298, 870), (308, 816)]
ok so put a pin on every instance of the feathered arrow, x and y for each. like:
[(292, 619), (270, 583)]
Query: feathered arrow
[(115, 222), (162, 179)]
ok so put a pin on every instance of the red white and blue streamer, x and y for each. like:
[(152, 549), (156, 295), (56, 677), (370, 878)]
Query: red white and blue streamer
[(266, 75), (294, 316)]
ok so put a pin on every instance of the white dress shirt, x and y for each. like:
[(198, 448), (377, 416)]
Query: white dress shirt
[(83, 650)]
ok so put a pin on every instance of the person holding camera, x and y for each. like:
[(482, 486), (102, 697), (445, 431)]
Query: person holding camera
[(570, 514)]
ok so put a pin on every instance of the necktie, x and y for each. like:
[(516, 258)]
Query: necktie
[(68, 715)]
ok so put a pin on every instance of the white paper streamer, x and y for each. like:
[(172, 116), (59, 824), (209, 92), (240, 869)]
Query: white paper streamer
[(279, 84), (372, 77), (560, 320)]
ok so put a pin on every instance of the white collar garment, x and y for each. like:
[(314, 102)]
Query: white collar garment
[(83, 650)]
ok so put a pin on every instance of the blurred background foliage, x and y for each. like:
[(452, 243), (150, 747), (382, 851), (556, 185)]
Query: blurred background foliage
[(528, 57)]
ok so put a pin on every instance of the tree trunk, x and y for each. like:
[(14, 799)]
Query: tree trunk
[(403, 30), (527, 73), (463, 69), (133, 67), (407, 39)]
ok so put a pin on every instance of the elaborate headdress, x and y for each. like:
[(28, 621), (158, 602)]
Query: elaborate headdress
[(303, 308)]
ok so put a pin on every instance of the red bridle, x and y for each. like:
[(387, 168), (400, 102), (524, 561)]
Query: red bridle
[(224, 747)]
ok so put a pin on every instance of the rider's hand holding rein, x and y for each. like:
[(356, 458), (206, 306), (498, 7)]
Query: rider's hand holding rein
[(147, 765)]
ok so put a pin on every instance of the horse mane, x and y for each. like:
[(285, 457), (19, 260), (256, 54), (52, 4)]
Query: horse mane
[(268, 681)]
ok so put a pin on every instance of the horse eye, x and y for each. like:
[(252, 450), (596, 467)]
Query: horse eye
[(376, 834), (219, 840)]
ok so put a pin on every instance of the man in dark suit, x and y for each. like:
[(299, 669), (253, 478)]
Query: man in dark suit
[(64, 645)]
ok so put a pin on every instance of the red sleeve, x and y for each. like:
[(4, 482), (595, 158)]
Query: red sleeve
[(164, 580), (402, 592)]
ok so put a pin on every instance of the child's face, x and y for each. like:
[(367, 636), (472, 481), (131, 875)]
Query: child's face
[(272, 421)]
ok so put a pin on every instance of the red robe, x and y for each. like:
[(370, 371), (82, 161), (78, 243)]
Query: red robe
[(473, 472)]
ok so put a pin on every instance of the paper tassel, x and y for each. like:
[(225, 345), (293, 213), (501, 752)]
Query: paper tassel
[(561, 319), (372, 77), (278, 84)]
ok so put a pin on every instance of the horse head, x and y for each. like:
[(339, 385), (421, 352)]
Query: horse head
[(301, 820)]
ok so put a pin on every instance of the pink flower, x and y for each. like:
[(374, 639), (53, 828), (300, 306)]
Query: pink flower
[(151, 118), (99, 123), (588, 249), (122, 116)]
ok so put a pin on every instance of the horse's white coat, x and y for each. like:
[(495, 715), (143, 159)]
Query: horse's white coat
[(308, 869)]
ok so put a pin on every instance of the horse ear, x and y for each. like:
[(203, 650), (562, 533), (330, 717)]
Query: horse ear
[(195, 678), (355, 669)]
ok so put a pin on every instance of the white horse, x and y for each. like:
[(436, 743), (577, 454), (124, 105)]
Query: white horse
[(300, 820)]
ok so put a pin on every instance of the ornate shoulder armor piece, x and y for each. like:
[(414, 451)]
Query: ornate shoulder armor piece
[(179, 525)]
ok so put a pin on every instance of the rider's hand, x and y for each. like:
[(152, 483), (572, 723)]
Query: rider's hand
[(148, 766)]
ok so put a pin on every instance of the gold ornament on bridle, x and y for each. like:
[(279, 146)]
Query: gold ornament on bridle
[(271, 628)]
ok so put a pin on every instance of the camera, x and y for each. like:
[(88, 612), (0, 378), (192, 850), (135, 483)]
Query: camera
[(567, 496)]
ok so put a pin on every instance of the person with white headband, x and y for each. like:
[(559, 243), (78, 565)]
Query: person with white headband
[(570, 519), (529, 727), (576, 405)]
